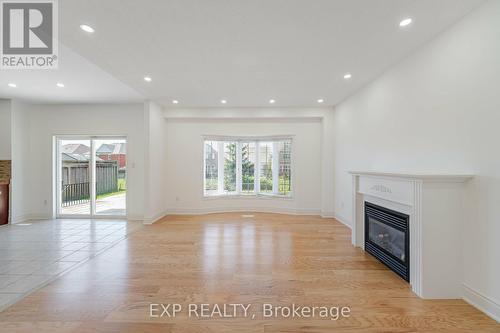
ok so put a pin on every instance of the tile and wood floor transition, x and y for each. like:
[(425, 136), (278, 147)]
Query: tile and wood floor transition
[(33, 254), (227, 258)]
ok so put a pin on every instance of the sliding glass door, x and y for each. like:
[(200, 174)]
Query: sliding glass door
[(110, 176), (91, 176)]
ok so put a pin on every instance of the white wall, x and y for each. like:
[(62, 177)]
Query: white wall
[(327, 165), (438, 111), (156, 168), (45, 121), (5, 131), (184, 158), (20, 182)]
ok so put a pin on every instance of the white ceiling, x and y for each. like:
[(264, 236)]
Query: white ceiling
[(84, 83), (199, 51)]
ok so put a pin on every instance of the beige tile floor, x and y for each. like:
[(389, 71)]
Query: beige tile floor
[(33, 254)]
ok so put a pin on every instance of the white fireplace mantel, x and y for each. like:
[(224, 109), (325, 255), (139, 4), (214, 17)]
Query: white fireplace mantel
[(435, 204)]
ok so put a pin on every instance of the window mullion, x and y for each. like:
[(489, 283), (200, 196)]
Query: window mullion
[(256, 169), (276, 167), (238, 168), (220, 167)]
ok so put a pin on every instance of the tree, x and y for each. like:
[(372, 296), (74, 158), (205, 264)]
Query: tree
[(230, 166), (247, 168)]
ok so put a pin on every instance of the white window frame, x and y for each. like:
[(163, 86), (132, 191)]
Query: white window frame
[(244, 139)]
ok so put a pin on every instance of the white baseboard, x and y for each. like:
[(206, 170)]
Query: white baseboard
[(29, 217), (19, 219), (40, 217), (342, 220), (328, 215), (32, 217), (132, 217), (483, 303), (157, 217), (202, 211)]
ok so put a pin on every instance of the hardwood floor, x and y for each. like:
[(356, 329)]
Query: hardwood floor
[(225, 258)]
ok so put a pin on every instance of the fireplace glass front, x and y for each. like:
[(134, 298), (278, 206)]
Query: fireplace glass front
[(387, 238)]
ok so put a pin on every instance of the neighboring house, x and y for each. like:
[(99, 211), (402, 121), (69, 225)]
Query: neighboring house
[(113, 152), (75, 162), (211, 159), (75, 149)]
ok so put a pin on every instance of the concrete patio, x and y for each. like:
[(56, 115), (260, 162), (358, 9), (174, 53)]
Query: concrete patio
[(113, 205)]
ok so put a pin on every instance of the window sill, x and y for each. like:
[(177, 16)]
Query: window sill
[(247, 196)]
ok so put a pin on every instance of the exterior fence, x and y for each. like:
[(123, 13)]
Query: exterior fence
[(106, 177), (75, 194), (75, 191)]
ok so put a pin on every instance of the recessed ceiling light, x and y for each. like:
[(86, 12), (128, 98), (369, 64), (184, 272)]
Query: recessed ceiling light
[(223, 101), (12, 85), (272, 101), (148, 79), (87, 28), (175, 101), (60, 85), (321, 100), (405, 22), (347, 76)]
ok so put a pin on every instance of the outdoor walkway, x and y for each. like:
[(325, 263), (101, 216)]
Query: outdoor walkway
[(112, 205)]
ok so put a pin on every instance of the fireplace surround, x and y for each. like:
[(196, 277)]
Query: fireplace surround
[(435, 206)]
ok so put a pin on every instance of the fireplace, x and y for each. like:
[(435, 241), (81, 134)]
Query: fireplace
[(387, 238)]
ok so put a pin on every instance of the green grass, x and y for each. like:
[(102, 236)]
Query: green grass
[(284, 185), (122, 184), (107, 195), (211, 184), (122, 188)]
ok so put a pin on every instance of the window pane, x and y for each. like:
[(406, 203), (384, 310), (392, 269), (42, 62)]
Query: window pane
[(229, 166), (285, 183), (74, 159), (266, 167), (211, 171), (110, 176), (247, 167)]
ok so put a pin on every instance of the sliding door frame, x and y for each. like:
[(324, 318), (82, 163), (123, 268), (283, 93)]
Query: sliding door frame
[(92, 176)]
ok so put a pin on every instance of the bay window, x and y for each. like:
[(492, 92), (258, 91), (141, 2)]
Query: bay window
[(247, 166)]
